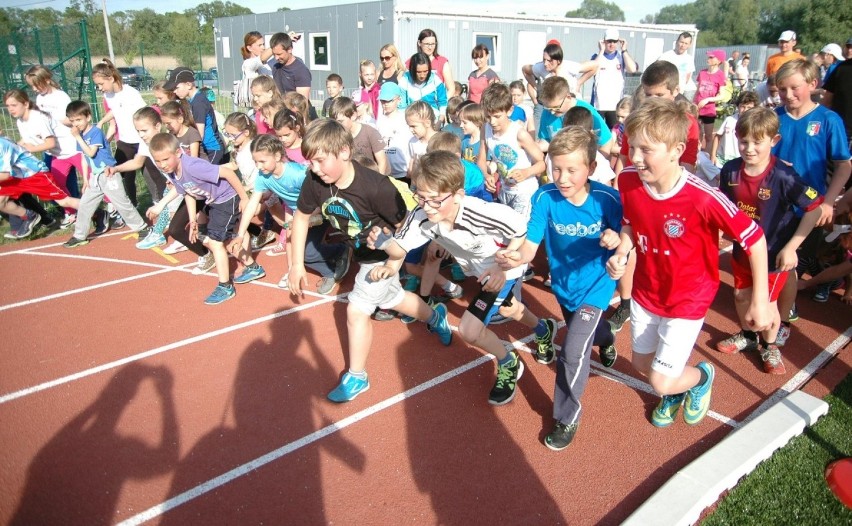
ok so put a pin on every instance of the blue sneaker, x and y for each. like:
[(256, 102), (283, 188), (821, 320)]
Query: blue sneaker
[(697, 400), (250, 274), (457, 274), (442, 326), (666, 411), (150, 241), (350, 387), (412, 284), (220, 294)]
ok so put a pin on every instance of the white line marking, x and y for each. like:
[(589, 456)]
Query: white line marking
[(59, 244), (261, 461), (201, 337)]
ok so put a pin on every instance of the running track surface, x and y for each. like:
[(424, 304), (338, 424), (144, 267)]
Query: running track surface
[(124, 399)]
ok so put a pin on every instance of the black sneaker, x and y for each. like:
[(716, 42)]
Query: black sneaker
[(507, 378), (561, 436), (608, 355), (74, 242), (794, 314), (544, 347), (619, 317), (101, 223), (342, 265)]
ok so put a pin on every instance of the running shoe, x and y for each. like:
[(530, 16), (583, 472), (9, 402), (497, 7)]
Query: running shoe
[(442, 326), (101, 223), (507, 379), (250, 274), (384, 315), (341, 267), (783, 335), (205, 263), (222, 293), (264, 238), (619, 317), (350, 387), (284, 282), (456, 273), (174, 248), (278, 249), (74, 242), (68, 220), (666, 411), (561, 436), (608, 355), (151, 240), (454, 294), (326, 285), (544, 351), (772, 362), (736, 343), (822, 293), (28, 225), (697, 400), (528, 275), (412, 284), (794, 314), (117, 221)]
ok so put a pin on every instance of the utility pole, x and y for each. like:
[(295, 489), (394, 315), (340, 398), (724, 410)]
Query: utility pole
[(108, 35)]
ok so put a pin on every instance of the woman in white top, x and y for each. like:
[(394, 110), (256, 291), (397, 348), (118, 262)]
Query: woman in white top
[(741, 74), (255, 57), (123, 102)]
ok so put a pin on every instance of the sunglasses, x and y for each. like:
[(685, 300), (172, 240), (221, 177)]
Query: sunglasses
[(611, 41), (387, 57)]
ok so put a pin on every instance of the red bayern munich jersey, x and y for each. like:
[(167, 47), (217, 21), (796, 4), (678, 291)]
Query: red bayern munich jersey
[(676, 236)]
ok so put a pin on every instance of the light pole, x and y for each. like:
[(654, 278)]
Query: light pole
[(108, 35)]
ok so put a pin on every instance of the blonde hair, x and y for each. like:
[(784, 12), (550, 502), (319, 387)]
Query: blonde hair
[(444, 142), (553, 89), (474, 114), (164, 142), (806, 68), (327, 135), (572, 139), (40, 77), (398, 65), (266, 83), (269, 109), (298, 103), (440, 171), (659, 120), (422, 111)]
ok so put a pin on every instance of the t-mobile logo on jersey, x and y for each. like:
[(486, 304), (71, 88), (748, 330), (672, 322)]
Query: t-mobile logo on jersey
[(578, 229)]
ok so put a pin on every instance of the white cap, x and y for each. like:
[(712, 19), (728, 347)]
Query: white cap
[(837, 232), (834, 50), (787, 36), (611, 34)]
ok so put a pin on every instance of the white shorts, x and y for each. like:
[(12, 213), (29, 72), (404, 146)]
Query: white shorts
[(670, 339), (368, 294)]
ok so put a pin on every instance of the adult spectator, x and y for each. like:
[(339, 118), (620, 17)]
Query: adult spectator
[(427, 42), (552, 65), (838, 90), (740, 76), (421, 82), (289, 71), (786, 43), (392, 66), (832, 56), (685, 63), (255, 58), (731, 64), (613, 60)]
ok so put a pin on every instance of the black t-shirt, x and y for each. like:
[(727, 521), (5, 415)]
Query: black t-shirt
[(291, 76), (371, 200), (839, 83)]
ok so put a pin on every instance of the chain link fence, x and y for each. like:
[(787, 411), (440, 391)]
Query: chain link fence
[(62, 49)]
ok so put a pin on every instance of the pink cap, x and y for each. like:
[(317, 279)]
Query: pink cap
[(718, 54)]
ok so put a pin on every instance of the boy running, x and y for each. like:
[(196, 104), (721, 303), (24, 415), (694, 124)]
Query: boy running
[(673, 220)]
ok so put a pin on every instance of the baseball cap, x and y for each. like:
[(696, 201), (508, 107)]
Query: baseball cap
[(389, 91), (611, 34), (554, 41), (834, 50), (787, 36), (177, 76), (838, 231), (719, 54), (849, 42)]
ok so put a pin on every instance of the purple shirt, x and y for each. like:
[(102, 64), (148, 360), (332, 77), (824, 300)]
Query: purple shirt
[(200, 179)]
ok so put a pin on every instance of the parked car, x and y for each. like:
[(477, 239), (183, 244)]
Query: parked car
[(137, 77), (206, 79)]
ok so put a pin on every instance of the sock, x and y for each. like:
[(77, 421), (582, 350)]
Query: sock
[(750, 335), (449, 287), (424, 297), (765, 345), (227, 284), (253, 265), (786, 324), (506, 359), (361, 376), (433, 318), (625, 303), (540, 329), (703, 379)]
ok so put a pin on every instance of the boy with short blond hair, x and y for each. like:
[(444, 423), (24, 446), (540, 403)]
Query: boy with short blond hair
[(354, 200), (366, 139), (769, 192), (580, 220), (472, 231), (673, 220)]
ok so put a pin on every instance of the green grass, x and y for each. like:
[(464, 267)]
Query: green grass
[(790, 487)]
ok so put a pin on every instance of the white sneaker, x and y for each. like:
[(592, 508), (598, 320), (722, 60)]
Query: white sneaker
[(174, 248), (284, 282), (783, 335), (205, 263)]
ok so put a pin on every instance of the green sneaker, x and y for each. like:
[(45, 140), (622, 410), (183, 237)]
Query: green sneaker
[(666, 411), (697, 400), (544, 352), (608, 355), (507, 378)]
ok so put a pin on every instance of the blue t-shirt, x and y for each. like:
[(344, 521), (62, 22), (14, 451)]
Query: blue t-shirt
[(518, 114), (474, 182), (202, 111), (470, 151), (287, 186), (17, 161), (550, 124), (809, 142), (572, 233), (103, 158)]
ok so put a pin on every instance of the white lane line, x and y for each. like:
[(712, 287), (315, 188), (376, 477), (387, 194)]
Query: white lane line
[(195, 339), (59, 244), (248, 467)]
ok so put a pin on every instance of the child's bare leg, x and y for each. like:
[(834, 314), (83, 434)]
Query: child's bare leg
[(360, 332), (770, 334), (220, 256), (474, 332), (69, 202), (412, 305), (518, 312), (667, 385), (7, 206)]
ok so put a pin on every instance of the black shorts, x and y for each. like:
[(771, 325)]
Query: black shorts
[(223, 218), (707, 119), (486, 304)]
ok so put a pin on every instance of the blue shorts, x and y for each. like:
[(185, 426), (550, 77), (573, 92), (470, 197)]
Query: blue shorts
[(486, 304)]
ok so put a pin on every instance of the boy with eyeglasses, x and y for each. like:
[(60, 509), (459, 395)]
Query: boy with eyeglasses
[(557, 99)]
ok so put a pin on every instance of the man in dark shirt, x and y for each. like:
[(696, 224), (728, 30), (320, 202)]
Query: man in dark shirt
[(289, 71), (838, 91)]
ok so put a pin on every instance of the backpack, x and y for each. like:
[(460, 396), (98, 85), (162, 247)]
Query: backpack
[(242, 93)]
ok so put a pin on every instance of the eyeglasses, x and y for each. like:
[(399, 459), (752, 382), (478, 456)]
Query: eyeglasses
[(557, 108), (611, 41), (430, 44), (389, 57), (231, 137), (433, 203)]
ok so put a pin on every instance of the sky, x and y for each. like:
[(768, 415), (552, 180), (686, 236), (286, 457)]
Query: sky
[(633, 11)]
